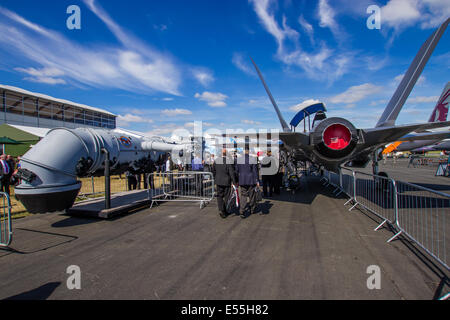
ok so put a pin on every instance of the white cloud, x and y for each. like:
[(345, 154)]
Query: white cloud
[(327, 20), (44, 75), (204, 124), (321, 63), (251, 122), (239, 61), (133, 66), (308, 28), (304, 104), (126, 120), (175, 112), (356, 93), (203, 76), (399, 14), (169, 129), (160, 27), (423, 99), (214, 99), (326, 15)]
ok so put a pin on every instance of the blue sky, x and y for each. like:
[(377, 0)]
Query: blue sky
[(160, 65)]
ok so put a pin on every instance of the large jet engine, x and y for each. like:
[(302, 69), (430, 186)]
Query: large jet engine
[(334, 138), (49, 171)]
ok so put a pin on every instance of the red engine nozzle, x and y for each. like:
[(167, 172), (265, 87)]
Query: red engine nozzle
[(337, 136)]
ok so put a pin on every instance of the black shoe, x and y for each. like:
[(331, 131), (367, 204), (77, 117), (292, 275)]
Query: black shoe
[(222, 215), (243, 215)]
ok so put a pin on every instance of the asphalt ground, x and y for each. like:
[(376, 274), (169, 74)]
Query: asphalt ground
[(299, 246)]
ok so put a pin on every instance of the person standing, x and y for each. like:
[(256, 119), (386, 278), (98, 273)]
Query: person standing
[(198, 166), (267, 174), (12, 167), (4, 174), (224, 176), (247, 172), (131, 179), (168, 172)]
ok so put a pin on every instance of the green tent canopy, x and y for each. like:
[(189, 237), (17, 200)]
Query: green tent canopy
[(16, 141), (6, 140)]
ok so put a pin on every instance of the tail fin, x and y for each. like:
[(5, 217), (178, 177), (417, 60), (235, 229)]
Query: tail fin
[(392, 110), (440, 112), (277, 110)]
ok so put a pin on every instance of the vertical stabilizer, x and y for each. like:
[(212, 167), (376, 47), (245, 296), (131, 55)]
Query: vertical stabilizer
[(283, 122), (392, 110), (440, 112)]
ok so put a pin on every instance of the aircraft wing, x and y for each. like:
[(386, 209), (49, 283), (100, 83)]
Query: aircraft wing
[(426, 136), (382, 135)]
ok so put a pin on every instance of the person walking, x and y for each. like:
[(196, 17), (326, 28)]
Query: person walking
[(412, 160), (224, 176), (247, 172)]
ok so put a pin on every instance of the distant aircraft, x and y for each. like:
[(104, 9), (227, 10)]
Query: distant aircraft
[(439, 114), (440, 146), (335, 141)]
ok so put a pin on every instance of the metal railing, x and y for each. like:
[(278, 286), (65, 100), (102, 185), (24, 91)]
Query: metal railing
[(6, 232), (94, 187), (423, 216), (181, 187), (419, 213)]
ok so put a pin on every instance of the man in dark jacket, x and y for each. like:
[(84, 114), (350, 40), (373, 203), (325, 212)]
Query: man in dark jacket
[(247, 171), (268, 174), (223, 172)]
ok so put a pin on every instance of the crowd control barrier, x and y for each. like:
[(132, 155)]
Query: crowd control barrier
[(421, 214), (181, 187), (5, 221)]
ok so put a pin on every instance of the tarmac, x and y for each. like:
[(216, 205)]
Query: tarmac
[(299, 246)]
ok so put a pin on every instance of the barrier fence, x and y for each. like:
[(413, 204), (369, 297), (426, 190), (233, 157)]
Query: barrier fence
[(419, 213), (5, 220), (181, 186)]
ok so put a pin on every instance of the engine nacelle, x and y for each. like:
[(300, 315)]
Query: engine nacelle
[(334, 138), (49, 171)]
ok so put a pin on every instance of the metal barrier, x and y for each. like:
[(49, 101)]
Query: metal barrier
[(423, 215), (181, 187), (94, 187), (419, 213), (5, 221), (377, 195)]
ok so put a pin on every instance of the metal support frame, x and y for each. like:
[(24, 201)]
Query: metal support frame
[(6, 233), (107, 180)]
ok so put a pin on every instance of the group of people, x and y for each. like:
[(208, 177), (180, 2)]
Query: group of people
[(8, 169), (244, 174)]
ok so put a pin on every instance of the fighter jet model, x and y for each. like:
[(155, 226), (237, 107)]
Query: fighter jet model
[(335, 141)]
